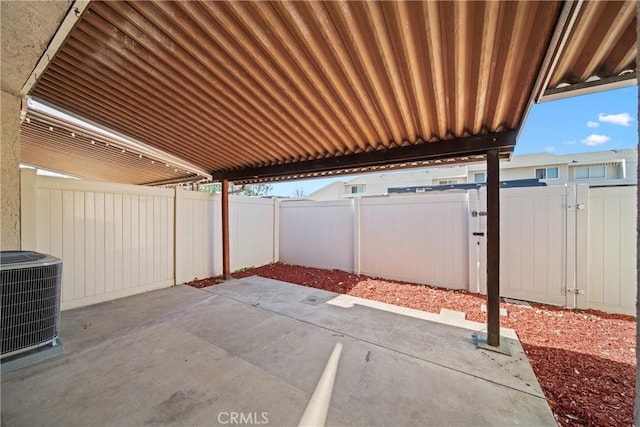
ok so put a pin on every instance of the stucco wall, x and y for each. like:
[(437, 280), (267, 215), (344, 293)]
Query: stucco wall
[(10, 166), (26, 28)]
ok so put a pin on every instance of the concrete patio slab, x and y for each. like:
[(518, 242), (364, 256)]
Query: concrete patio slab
[(252, 350)]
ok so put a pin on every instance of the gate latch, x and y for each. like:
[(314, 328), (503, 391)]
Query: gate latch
[(476, 213), (578, 207), (575, 291)]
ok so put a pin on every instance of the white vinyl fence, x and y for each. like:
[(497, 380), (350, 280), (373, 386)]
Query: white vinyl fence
[(570, 245), (198, 250), (420, 239), (317, 234), (564, 245), (252, 227), (114, 240), (119, 240), (252, 232), (612, 249)]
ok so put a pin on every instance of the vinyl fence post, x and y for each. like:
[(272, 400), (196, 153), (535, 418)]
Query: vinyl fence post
[(582, 246), (356, 235), (226, 273), (179, 237), (276, 230), (473, 284), (28, 209)]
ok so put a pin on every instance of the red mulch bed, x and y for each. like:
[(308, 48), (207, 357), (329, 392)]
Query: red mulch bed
[(203, 283), (585, 360)]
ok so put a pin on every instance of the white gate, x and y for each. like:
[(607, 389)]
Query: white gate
[(612, 254), (540, 246)]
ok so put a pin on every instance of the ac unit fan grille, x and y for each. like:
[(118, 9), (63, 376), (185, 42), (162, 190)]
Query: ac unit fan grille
[(30, 307)]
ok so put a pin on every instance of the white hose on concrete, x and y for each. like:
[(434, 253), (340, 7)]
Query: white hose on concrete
[(315, 415)]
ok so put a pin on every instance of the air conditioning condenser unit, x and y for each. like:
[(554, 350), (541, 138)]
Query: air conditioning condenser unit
[(30, 302)]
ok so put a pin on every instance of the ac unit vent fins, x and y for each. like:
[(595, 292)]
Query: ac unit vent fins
[(30, 295)]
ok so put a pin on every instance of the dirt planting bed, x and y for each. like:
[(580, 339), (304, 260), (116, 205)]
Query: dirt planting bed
[(585, 360), (203, 283)]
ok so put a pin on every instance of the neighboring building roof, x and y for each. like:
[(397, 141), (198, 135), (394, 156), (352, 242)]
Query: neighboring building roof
[(414, 175), (549, 159), (517, 183), (411, 178)]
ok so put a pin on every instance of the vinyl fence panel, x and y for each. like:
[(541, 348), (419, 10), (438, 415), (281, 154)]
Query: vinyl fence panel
[(196, 234), (114, 240), (420, 239), (251, 231), (612, 249), (317, 234), (199, 234)]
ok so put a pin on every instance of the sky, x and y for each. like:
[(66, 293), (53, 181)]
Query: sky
[(601, 121)]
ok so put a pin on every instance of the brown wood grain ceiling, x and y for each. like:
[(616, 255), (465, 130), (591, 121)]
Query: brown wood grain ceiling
[(54, 148), (235, 85)]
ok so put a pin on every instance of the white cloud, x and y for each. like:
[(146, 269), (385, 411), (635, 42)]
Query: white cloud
[(622, 119), (591, 124), (595, 139), (550, 149), (571, 142)]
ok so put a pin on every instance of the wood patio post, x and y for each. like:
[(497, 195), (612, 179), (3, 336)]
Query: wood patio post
[(225, 230)]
